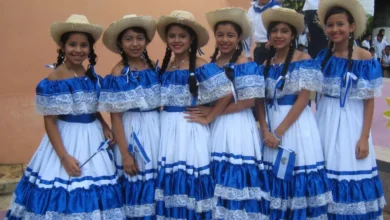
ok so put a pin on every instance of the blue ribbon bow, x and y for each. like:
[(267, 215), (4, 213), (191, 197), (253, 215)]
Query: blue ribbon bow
[(346, 83)]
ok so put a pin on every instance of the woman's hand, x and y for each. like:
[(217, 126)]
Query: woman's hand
[(270, 140), (71, 165), (108, 135), (129, 165), (362, 148)]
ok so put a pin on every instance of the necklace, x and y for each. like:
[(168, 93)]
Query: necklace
[(71, 70), (174, 66), (136, 68)]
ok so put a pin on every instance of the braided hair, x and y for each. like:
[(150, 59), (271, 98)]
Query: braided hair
[(91, 57), (192, 57), (125, 59), (333, 11), (290, 53), (229, 71)]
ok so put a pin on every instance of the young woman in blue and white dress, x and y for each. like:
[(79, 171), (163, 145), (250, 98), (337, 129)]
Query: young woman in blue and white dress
[(65, 179), (131, 93), (352, 79), (290, 76), (242, 188), (184, 188)]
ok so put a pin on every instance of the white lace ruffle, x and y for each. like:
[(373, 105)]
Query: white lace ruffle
[(359, 208), (249, 87), (122, 101), (139, 211), (223, 213), (75, 104), (152, 96), (214, 88), (21, 212), (247, 193), (185, 201), (176, 95), (298, 79), (362, 89), (301, 202)]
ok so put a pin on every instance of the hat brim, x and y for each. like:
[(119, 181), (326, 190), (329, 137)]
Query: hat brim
[(111, 33), (235, 15), (57, 29), (290, 17), (201, 32), (353, 6)]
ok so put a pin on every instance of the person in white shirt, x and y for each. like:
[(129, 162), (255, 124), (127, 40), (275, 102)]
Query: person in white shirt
[(318, 39), (381, 31), (367, 41), (385, 62), (302, 41), (379, 46), (259, 33)]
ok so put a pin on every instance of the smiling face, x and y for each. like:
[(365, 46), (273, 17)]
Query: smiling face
[(226, 37), (281, 35), (133, 42), (338, 28), (76, 48), (178, 39)]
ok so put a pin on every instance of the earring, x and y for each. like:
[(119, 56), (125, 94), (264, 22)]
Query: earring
[(350, 35)]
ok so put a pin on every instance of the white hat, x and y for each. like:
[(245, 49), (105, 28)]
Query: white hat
[(284, 15), (184, 18), (77, 23), (110, 35), (353, 6), (235, 15)]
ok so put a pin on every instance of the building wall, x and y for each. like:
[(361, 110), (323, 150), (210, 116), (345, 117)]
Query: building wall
[(27, 46)]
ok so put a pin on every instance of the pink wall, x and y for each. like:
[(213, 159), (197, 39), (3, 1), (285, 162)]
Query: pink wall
[(27, 46)]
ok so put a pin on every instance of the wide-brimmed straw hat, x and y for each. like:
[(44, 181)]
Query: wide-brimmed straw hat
[(183, 18), (231, 14), (284, 15), (353, 6), (110, 35), (75, 23)]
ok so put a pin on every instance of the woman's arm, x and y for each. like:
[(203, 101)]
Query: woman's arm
[(362, 145), (70, 164), (294, 113), (129, 165), (239, 106)]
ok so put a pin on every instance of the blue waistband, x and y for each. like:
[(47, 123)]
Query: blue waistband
[(285, 100), (84, 118), (139, 110), (174, 109), (331, 96)]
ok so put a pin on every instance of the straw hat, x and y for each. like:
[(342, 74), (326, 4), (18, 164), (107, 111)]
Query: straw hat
[(353, 6), (184, 18), (111, 33), (235, 15), (284, 15), (77, 23)]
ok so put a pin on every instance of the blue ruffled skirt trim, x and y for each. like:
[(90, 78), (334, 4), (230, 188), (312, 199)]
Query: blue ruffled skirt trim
[(138, 198), (362, 199), (31, 201), (180, 195), (242, 190), (306, 196)]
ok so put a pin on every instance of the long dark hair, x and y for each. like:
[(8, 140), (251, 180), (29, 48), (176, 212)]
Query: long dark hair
[(290, 51), (91, 57), (192, 57), (125, 59), (333, 11), (229, 71)]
